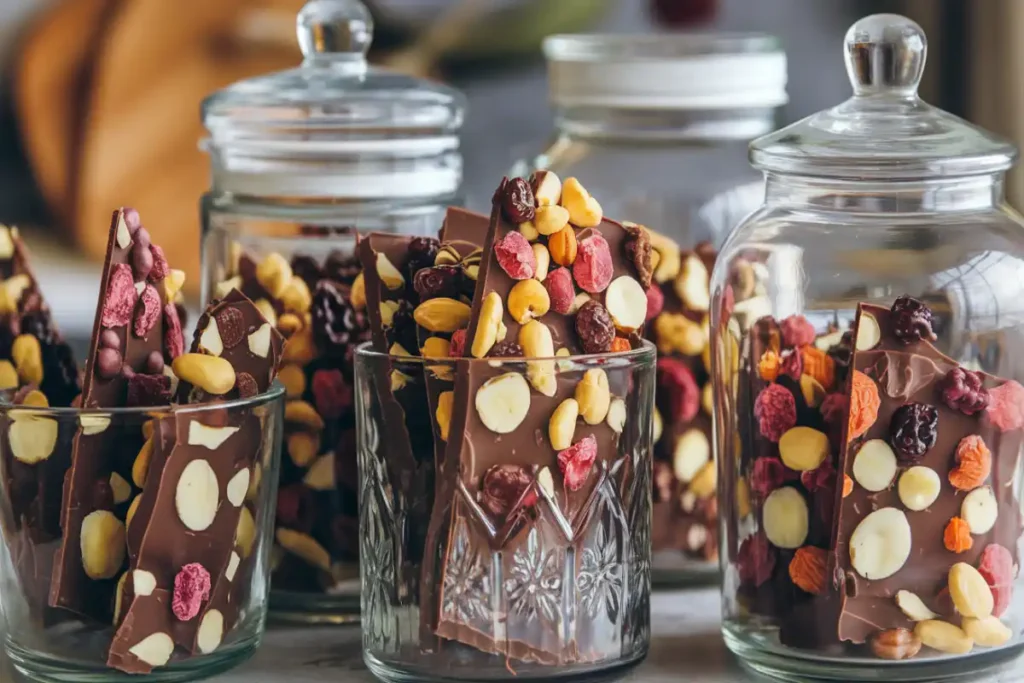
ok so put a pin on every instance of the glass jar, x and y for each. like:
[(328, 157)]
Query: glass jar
[(868, 407), (516, 576), (301, 160), (137, 637), (657, 127)]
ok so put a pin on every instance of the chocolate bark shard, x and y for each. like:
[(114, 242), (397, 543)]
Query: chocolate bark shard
[(903, 373), (136, 318)]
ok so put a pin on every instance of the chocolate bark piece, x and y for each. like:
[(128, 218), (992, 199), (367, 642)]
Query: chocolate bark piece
[(904, 374), (136, 320)]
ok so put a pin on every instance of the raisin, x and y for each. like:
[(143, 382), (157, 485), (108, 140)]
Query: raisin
[(334, 319), (911, 320), (503, 486), (517, 202), (912, 431), (341, 267), (437, 281), (422, 252), (308, 269), (638, 250), (962, 390), (841, 355), (403, 328), (595, 328), (506, 349)]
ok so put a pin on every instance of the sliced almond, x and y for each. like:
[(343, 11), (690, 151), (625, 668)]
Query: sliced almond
[(245, 532), (210, 341), (143, 582), (237, 487), (914, 607), (868, 332), (546, 482), (121, 489), (232, 567), (616, 418), (388, 273), (197, 495), (259, 341), (211, 631), (211, 437)]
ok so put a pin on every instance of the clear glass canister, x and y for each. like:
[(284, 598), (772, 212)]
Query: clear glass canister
[(658, 127), (302, 161), (867, 328)]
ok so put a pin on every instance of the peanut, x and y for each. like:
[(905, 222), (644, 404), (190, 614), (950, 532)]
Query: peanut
[(8, 375), (293, 379), (562, 425), (28, 358), (491, 312), (593, 396), (584, 210), (550, 219), (528, 299), (943, 636), (303, 414), (303, 447), (535, 339), (274, 273), (212, 374)]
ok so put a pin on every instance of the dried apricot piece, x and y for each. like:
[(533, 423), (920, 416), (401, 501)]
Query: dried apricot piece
[(769, 365), (973, 463), (957, 537), (864, 402), (807, 569), (819, 365)]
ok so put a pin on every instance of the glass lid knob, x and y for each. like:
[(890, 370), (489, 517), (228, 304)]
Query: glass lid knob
[(334, 30), (885, 54)]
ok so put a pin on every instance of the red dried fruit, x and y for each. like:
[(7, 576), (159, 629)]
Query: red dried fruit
[(515, 256), (775, 410), (677, 392), (505, 486), (755, 560), (246, 385), (593, 268), (191, 588), (296, 507), (422, 254), (160, 268), (655, 302), (457, 347), (561, 291), (154, 363), (911, 320), (595, 328), (996, 567), (1006, 406), (231, 326), (332, 395), (822, 477), (119, 301), (148, 313), (768, 474), (148, 390), (438, 281), (638, 250), (793, 365), (576, 461), (962, 390), (913, 430), (833, 408), (517, 200), (797, 331), (174, 343)]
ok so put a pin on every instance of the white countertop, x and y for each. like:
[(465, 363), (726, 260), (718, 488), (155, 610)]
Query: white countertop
[(686, 646)]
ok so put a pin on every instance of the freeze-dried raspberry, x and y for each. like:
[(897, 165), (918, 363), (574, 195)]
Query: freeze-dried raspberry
[(160, 268), (822, 477), (677, 392), (1006, 406), (457, 347), (912, 431), (593, 268), (148, 313), (119, 302), (963, 390), (996, 567), (911, 320), (504, 486), (833, 408), (655, 302), (775, 410), (246, 385), (230, 326), (797, 332), (561, 291), (332, 395), (638, 250), (576, 461), (767, 475), (191, 588), (595, 328), (174, 343), (148, 390), (517, 200), (755, 561), (864, 403), (515, 256), (793, 365)]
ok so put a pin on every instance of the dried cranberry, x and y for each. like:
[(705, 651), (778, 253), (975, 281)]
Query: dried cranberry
[(503, 486), (911, 320), (638, 251), (912, 431), (517, 201), (334, 319), (422, 252), (296, 507), (595, 328), (963, 390), (506, 349), (437, 281), (161, 268), (457, 348), (756, 559), (678, 394)]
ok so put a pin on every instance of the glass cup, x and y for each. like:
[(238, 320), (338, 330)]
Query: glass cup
[(121, 591), (496, 556)]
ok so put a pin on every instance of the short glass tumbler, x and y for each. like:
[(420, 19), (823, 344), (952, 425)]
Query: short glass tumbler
[(142, 546), (495, 556)]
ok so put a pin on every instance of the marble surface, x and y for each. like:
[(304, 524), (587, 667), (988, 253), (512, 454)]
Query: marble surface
[(686, 646)]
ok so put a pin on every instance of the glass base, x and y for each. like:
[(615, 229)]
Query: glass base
[(391, 672), (756, 654), (290, 607), (38, 667)]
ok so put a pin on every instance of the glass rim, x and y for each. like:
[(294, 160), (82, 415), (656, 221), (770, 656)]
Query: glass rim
[(606, 47), (274, 393), (645, 353)]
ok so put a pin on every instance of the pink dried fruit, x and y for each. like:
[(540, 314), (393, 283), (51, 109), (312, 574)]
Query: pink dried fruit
[(515, 256), (797, 331), (246, 385), (148, 390), (148, 312), (505, 486), (793, 365), (457, 347), (593, 268), (833, 408), (174, 343), (119, 302), (996, 567), (963, 390), (332, 395), (561, 291), (191, 588), (160, 268), (775, 410), (677, 391), (755, 560), (108, 363), (296, 507), (655, 302), (768, 474), (1006, 406), (822, 477), (576, 461), (231, 326)]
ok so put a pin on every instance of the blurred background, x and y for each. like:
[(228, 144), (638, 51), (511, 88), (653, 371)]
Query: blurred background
[(99, 99)]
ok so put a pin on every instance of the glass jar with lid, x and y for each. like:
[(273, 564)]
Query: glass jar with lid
[(658, 127), (302, 161), (868, 405)]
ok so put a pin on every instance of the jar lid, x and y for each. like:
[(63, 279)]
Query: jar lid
[(668, 71), (885, 131), (334, 103)]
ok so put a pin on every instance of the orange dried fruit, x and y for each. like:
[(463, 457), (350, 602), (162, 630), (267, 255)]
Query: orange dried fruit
[(864, 402), (957, 537), (819, 365), (619, 345), (847, 485), (973, 463), (769, 365), (807, 569)]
